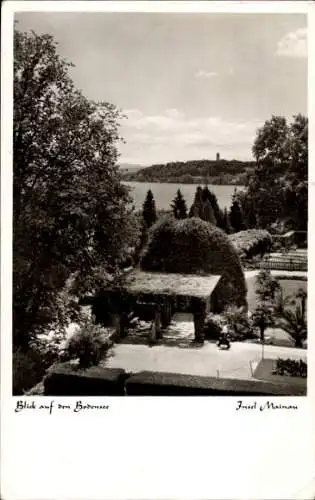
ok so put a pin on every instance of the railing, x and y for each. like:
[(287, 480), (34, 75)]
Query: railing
[(285, 264)]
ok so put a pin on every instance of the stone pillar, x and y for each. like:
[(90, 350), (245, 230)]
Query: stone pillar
[(157, 322), (166, 314), (123, 325), (117, 324), (120, 325), (199, 321)]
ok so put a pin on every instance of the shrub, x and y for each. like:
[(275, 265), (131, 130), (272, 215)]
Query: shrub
[(193, 246), (291, 367), (28, 369), (89, 343), (213, 326), (238, 323), (251, 242)]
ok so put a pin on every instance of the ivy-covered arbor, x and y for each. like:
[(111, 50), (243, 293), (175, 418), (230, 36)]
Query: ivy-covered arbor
[(164, 292)]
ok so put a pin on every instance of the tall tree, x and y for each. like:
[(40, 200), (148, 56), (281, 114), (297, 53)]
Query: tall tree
[(278, 187), (207, 213), (72, 217), (196, 207), (149, 209), (218, 213), (236, 215), (179, 206)]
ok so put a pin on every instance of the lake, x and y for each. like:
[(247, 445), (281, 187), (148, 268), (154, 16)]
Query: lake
[(164, 193)]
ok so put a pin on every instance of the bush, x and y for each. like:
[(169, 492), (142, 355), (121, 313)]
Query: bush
[(31, 363), (28, 370), (213, 326), (89, 343), (251, 242), (193, 246), (66, 380), (238, 323), (291, 367)]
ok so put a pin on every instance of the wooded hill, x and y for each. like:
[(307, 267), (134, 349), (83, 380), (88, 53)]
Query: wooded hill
[(195, 172)]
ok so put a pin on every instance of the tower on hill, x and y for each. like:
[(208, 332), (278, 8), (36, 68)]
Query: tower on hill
[(218, 156)]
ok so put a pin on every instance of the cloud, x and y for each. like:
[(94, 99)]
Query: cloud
[(205, 74), (172, 136), (293, 44)]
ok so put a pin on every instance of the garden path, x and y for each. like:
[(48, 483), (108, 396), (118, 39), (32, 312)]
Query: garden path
[(207, 360)]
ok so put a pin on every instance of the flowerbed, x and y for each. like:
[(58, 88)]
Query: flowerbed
[(290, 367)]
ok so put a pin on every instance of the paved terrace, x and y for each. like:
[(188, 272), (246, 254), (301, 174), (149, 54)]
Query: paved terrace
[(205, 360)]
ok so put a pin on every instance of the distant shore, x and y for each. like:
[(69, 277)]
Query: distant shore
[(210, 181)]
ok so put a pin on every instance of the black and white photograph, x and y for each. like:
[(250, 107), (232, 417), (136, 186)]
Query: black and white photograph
[(160, 204), (156, 250)]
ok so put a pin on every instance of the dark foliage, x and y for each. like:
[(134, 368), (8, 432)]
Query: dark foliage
[(195, 172), (236, 215), (149, 210), (252, 242), (277, 190), (291, 367), (72, 217), (194, 246), (179, 206)]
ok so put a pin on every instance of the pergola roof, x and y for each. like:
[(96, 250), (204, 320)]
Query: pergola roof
[(187, 285)]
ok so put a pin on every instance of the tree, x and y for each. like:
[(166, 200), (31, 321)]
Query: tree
[(278, 187), (263, 317), (196, 207), (218, 214), (72, 218), (149, 210), (236, 216), (267, 291), (267, 287), (207, 213), (178, 206), (294, 323)]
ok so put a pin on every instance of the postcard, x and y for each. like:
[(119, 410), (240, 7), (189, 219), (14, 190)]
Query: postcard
[(156, 246)]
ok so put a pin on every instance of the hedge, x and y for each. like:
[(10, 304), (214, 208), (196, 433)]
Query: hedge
[(192, 246), (171, 384), (251, 242), (65, 380)]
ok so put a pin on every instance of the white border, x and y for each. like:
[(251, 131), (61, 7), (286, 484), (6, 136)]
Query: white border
[(149, 447)]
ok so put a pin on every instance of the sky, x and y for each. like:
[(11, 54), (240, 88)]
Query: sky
[(190, 85)]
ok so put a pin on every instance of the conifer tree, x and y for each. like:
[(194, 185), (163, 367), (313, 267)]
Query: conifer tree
[(178, 206), (207, 213), (236, 215), (196, 207), (149, 210)]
